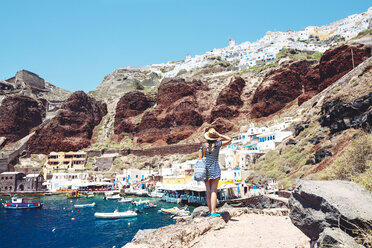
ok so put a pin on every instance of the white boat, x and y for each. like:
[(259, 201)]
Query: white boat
[(122, 200), (113, 197), (115, 215), (92, 205), (140, 202)]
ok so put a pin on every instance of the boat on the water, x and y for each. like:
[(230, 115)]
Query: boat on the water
[(184, 216), (113, 197), (74, 194), (174, 211), (18, 203), (123, 200), (150, 205), (140, 202), (92, 205), (115, 215)]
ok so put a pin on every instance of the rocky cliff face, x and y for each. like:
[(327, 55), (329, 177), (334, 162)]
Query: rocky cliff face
[(72, 128), (177, 114), (299, 79), (131, 104), (279, 87), (18, 115), (339, 116), (229, 100), (332, 211)]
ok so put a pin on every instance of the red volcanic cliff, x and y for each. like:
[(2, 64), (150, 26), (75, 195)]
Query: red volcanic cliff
[(176, 115), (131, 104), (18, 115), (72, 128), (229, 100), (281, 86)]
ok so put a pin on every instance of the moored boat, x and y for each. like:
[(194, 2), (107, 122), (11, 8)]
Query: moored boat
[(149, 205), (85, 205), (115, 215), (18, 203), (74, 194), (123, 200), (140, 202), (113, 197), (174, 211)]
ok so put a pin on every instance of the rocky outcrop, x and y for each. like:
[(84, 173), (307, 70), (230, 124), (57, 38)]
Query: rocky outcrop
[(279, 87), (176, 116), (318, 206), (72, 128), (26, 78), (131, 104), (339, 116), (299, 79), (321, 154), (18, 115), (334, 64), (230, 95)]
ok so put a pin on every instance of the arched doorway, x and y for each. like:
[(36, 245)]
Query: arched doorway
[(21, 187)]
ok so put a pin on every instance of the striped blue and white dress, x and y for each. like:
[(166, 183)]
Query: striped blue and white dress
[(211, 158)]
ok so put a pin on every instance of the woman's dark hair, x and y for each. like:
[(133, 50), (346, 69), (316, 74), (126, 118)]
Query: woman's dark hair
[(211, 145)]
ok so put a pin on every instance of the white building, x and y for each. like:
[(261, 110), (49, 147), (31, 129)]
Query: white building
[(231, 175), (131, 176), (64, 181), (269, 140)]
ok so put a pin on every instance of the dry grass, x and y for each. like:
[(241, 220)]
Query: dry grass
[(355, 164)]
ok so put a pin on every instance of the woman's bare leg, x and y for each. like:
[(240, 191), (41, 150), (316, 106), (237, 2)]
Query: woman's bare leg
[(214, 184), (208, 194)]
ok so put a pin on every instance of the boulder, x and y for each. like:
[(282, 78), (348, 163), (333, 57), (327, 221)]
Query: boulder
[(321, 154), (72, 128), (339, 116), (131, 104), (298, 128), (334, 237), (200, 211), (18, 115), (279, 87), (142, 233), (230, 95), (318, 205)]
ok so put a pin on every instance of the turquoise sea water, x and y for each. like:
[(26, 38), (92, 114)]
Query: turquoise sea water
[(34, 227)]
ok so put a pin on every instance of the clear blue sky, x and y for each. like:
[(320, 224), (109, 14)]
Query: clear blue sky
[(75, 43)]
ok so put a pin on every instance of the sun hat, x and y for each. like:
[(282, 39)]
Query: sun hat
[(209, 135)]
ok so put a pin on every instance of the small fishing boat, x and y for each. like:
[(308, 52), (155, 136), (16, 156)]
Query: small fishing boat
[(17, 203), (123, 200), (113, 197), (149, 205), (174, 211), (184, 216), (140, 202), (74, 194), (115, 215), (90, 194), (92, 205)]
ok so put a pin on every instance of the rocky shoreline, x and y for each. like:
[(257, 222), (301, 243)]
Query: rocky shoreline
[(320, 214)]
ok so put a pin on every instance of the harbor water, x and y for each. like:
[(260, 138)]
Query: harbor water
[(53, 224)]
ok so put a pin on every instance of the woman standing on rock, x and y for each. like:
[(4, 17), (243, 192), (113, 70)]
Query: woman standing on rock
[(212, 150)]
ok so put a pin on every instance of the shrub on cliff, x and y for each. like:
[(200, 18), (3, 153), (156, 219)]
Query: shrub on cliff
[(355, 164)]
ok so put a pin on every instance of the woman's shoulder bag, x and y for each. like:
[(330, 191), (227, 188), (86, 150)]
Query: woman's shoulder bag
[(200, 169)]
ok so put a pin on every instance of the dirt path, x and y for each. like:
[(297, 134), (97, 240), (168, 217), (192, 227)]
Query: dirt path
[(256, 231)]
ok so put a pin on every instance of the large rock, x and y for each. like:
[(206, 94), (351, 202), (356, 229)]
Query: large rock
[(176, 116), (300, 79), (334, 237), (72, 128), (230, 95), (339, 116), (318, 205), (335, 63), (18, 115), (279, 87), (26, 78), (131, 104)]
